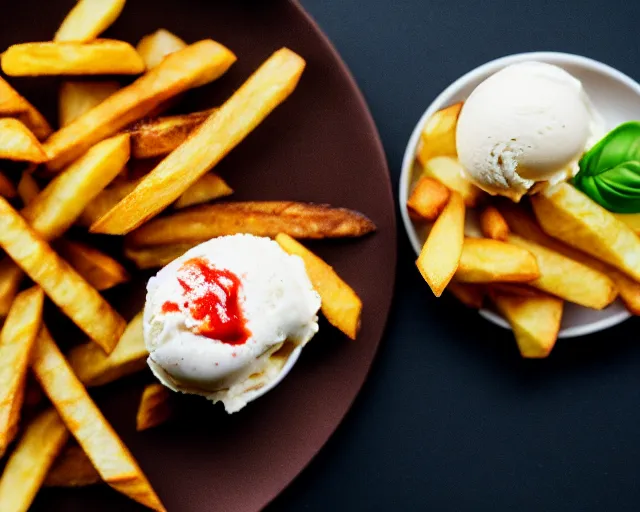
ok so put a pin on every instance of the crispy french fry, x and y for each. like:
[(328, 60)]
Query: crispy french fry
[(99, 269), (88, 19), (64, 286), (440, 255), (104, 201), (340, 304), (109, 455), (99, 57), (630, 219), (12, 104), (199, 62), (207, 188), (76, 98), (29, 463), (438, 137), (153, 48), (147, 257), (28, 189), (449, 172), (10, 278), (268, 218), (18, 143), (535, 321), (493, 224), (484, 260), (72, 468), (160, 136), (155, 407), (470, 295), (95, 368), (568, 279), (428, 199), (16, 341), (267, 88), (569, 215), (7, 188)]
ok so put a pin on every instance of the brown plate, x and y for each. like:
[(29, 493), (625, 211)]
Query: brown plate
[(321, 145)]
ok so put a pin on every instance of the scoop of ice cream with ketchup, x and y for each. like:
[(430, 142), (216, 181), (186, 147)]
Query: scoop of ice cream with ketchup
[(216, 318)]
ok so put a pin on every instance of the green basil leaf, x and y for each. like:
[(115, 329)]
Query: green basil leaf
[(621, 144), (617, 189)]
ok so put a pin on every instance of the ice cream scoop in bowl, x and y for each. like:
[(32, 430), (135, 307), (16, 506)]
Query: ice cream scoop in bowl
[(586, 99)]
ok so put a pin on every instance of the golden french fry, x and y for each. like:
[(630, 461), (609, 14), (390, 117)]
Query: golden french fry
[(18, 143), (568, 279), (16, 340), (95, 368), (64, 286), (153, 48), (99, 269), (72, 468), (267, 88), (484, 260), (155, 407), (29, 463), (569, 215), (470, 295), (99, 57), (104, 201), (428, 199), (160, 136), (268, 218), (630, 219), (207, 188), (493, 224), (10, 278), (440, 255), (12, 104), (76, 98), (438, 137), (7, 188), (202, 61), (449, 172), (147, 257), (88, 19), (28, 189), (340, 304), (109, 455), (535, 321)]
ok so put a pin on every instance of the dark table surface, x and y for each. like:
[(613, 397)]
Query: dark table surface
[(451, 417)]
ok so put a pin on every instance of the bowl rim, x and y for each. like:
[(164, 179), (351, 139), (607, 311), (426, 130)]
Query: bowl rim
[(559, 58)]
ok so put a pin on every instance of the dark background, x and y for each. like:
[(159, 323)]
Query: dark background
[(451, 418)]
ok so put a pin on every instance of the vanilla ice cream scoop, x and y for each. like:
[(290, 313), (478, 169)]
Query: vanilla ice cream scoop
[(530, 122), (218, 320)]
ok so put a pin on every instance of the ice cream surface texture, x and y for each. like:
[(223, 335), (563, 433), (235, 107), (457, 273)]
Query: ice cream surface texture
[(528, 123), (215, 318)]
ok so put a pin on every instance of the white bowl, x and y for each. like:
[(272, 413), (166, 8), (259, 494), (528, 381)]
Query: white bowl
[(615, 96)]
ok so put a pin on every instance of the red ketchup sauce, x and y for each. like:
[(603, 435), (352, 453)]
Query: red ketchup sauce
[(211, 296)]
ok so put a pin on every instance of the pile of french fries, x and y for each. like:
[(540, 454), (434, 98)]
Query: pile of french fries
[(527, 259), (81, 175)]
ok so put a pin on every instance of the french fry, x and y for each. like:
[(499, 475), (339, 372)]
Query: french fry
[(10, 278), (268, 218), (427, 200), (76, 98), (27, 189), (88, 19), (630, 219), (12, 104), (18, 143), (160, 136), (147, 257), (470, 295), (99, 57), (155, 407), (449, 172), (104, 201), (64, 286), (95, 368), (440, 255), (72, 468), (7, 188), (568, 279), (153, 48), (29, 463), (202, 61), (521, 290), (493, 224), (535, 321), (207, 188), (569, 215), (484, 260), (16, 341), (438, 137), (108, 454), (340, 304), (267, 88), (99, 269)]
